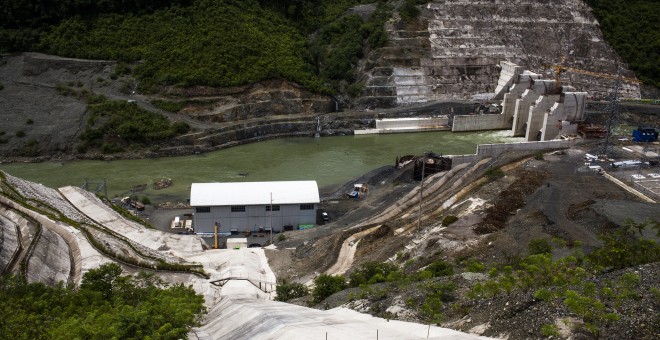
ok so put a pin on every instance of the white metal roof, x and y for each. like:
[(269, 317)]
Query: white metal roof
[(254, 193)]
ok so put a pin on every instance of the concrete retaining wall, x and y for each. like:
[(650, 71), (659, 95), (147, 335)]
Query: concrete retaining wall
[(493, 150), (412, 124), (70, 239), (9, 243), (481, 122)]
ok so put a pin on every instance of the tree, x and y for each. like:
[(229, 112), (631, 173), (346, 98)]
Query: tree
[(627, 246), (539, 246), (326, 285), (288, 291), (102, 279)]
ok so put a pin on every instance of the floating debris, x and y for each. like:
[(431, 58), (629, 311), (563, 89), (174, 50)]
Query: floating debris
[(163, 183)]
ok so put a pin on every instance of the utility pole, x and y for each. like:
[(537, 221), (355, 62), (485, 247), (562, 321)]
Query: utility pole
[(612, 111), (215, 235), (421, 190), (271, 218)]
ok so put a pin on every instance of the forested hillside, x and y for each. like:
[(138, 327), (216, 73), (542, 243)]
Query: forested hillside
[(315, 43), (202, 42), (633, 29)]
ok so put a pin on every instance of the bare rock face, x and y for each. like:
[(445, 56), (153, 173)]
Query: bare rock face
[(453, 49), (256, 101), (34, 117)]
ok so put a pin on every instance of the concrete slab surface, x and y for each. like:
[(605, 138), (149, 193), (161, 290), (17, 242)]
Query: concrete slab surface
[(92, 207)]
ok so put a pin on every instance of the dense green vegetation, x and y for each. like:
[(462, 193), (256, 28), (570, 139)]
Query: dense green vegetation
[(113, 125), (326, 285), (107, 305), (202, 42), (633, 28), (287, 291)]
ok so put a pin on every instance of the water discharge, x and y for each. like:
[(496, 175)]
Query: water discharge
[(331, 161)]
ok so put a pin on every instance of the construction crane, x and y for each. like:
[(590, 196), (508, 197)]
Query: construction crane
[(559, 69)]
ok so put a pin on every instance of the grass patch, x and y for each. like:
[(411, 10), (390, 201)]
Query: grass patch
[(167, 105)]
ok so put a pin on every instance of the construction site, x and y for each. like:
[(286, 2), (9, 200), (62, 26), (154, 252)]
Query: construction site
[(569, 194), (451, 236)]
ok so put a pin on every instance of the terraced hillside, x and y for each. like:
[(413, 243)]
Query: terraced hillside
[(452, 50)]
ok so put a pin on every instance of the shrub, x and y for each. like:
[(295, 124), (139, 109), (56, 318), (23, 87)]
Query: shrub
[(538, 155), (409, 10), (108, 148), (326, 285), (543, 294), (81, 148), (20, 133), (539, 246), (494, 173), (145, 200), (29, 121), (167, 105), (440, 268), (281, 238), (627, 247), (30, 149), (122, 69), (550, 330), (125, 87), (474, 266), (369, 270), (449, 220), (436, 294), (288, 291)]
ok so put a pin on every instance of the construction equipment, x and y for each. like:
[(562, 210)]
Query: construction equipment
[(559, 69)]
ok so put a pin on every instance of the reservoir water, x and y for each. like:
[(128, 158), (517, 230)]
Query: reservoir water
[(331, 161)]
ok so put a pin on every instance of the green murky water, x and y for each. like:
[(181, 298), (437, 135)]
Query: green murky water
[(331, 161)]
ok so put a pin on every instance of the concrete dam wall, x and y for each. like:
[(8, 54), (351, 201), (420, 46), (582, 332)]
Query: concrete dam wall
[(454, 49)]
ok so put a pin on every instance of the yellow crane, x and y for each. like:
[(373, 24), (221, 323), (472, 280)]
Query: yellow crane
[(559, 69)]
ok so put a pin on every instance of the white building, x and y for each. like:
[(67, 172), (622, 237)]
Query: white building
[(253, 206)]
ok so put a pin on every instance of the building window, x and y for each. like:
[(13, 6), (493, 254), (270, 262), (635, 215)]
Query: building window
[(275, 208), (307, 207), (203, 209), (237, 208)]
